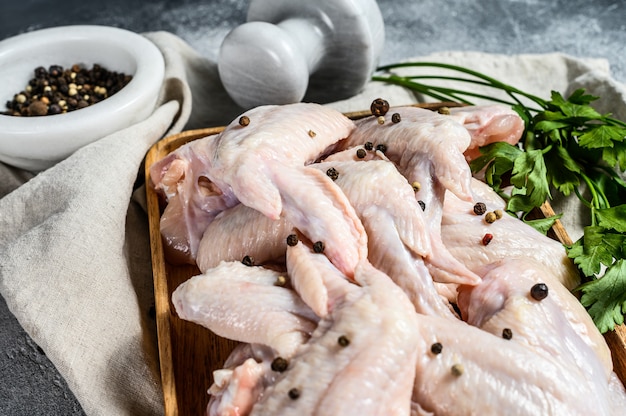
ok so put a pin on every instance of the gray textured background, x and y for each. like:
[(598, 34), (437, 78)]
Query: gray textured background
[(29, 384)]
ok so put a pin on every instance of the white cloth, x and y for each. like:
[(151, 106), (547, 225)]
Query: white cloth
[(74, 246)]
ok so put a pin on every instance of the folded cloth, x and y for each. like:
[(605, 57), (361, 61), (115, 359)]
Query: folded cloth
[(74, 251)]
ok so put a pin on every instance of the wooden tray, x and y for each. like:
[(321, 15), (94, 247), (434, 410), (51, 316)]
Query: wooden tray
[(189, 353)]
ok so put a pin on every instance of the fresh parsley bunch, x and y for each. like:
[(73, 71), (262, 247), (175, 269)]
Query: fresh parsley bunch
[(569, 147)]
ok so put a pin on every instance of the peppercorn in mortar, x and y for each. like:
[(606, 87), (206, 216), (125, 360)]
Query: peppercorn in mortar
[(57, 90)]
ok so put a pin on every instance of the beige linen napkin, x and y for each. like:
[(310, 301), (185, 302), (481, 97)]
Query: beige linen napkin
[(74, 250)]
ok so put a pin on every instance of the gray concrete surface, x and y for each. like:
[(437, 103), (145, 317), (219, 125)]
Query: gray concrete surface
[(29, 384)]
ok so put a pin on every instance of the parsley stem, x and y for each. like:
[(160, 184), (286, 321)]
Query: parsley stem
[(615, 121), (435, 92), (510, 90), (582, 199), (598, 198)]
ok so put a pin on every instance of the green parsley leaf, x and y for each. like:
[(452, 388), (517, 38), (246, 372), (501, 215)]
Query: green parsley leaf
[(576, 106), (499, 159), (563, 170), (579, 97), (543, 225), (594, 253), (601, 136), (615, 155), (613, 218), (605, 297), (529, 173)]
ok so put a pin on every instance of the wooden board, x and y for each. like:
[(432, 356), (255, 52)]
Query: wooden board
[(189, 353)]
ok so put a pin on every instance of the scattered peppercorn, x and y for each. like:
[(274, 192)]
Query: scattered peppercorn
[(444, 111), (416, 186), (436, 348), (368, 145), (507, 333), (244, 121), (312, 133), (539, 291), (318, 247), (343, 341), (381, 148), (292, 240), (332, 174), (248, 261), (294, 393), (490, 217), (422, 205), (281, 281), (379, 107), (457, 370), (480, 208), (498, 213), (361, 153), (49, 92), (395, 118), (487, 239), (279, 364)]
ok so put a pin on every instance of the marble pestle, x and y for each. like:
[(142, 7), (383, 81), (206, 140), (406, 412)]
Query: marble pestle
[(301, 50)]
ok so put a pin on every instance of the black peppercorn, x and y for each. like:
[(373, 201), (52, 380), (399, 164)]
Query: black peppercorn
[(279, 364), (343, 341), (248, 261), (292, 240), (436, 348), (54, 109), (332, 174), (368, 145), (40, 72), (244, 121), (480, 208), (379, 107), (55, 70), (507, 333), (422, 204), (360, 153), (381, 148), (294, 393), (539, 291), (318, 247)]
